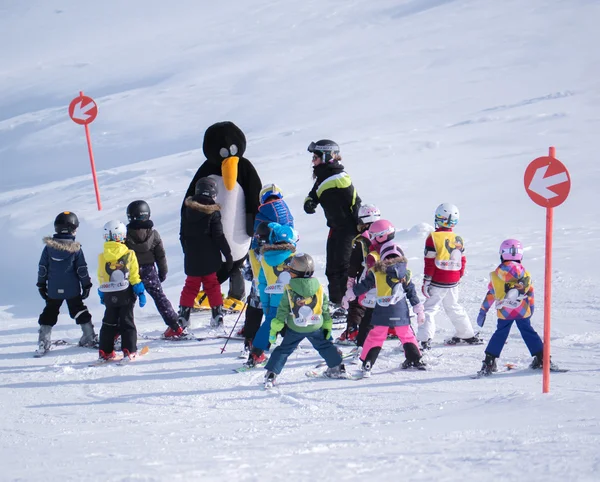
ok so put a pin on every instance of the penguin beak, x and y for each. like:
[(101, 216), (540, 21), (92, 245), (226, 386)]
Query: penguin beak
[(229, 171)]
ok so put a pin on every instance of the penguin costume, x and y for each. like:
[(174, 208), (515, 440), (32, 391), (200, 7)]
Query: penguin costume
[(238, 186)]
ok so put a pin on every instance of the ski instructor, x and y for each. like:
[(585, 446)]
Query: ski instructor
[(334, 191)]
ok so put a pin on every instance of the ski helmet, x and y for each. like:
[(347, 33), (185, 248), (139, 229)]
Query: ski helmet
[(390, 248), (381, 231), (511, 250), (282, 234), (138, 211), (326, 149), (115, 230), (66, 223), (446, 216), (262, 233), (302, 265), (269, 190), (206, 186), (368, 213)]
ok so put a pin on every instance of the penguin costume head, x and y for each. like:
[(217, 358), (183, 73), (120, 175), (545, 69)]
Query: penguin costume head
[(224, 144)]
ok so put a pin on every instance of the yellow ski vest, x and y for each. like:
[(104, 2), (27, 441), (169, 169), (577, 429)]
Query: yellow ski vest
[(276, 278), (449, 249)]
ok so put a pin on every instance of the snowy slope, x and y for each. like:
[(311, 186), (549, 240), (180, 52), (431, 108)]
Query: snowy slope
[(430, 100)]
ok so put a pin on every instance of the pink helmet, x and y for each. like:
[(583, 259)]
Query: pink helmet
[(381, 231), (390, 248), (511, 250)]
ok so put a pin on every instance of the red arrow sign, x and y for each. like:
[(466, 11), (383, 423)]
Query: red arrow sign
[(83, 110), (547, 181)]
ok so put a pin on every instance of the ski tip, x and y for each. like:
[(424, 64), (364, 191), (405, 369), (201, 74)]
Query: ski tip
[(144, 350)]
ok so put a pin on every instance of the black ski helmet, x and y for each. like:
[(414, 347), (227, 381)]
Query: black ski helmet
[(206, 186), (325, 149), (262, 233), (66, 223), (138, 211), (302, 265)]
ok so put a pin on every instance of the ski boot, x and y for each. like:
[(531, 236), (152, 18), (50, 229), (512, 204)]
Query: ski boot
[(338, 371), (217, 316), (538, 363), (348, 337), (366, 369), (173, 332), (337, 311), (128, 356), (489, 366), (474, 340), (418, 364), (102, 355), (89, 338), (256, 358), (245, 353), (44, 340), (184, 316), (270, 379), (426, 345), (232, 305)]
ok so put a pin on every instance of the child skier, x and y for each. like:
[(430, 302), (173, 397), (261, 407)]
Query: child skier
[(305, 312), (63, 275), (272, 209), (334, 191), (445, 263), (120, 285), (357, 270), (391, 279), (511, 290), (147, 244), (271, 283), (203, 243), (254, 311)]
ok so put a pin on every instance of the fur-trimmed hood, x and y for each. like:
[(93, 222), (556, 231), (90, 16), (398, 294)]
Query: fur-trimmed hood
[(66, 245), (278, 247), (396, 267), (203, 208)]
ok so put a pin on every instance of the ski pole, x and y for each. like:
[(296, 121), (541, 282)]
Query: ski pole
[(236, 322)]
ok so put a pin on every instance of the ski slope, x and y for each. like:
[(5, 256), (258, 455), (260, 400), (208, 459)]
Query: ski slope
[(430, 100)]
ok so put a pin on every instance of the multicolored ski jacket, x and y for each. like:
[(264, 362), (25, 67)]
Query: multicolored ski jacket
[(511, 290)]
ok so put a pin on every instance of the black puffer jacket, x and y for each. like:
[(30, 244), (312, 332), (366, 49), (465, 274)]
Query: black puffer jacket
[(147, 244), (202, 236), (334, 191)]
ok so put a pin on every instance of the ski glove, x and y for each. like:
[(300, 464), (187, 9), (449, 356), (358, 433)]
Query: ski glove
[(348, 297), (43, 289), (272, 338), (139, 288), (426, 286), (142, 298), (101, 295), (326, 333), (310, 207), (420, 312), (85, 292), (481, 317)]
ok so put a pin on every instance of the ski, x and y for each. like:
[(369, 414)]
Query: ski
[(101, 361), (321, 374), (512, 367), (246, 368), (125, 361)]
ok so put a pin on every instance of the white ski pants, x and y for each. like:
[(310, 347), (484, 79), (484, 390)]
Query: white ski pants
[(448, 299)]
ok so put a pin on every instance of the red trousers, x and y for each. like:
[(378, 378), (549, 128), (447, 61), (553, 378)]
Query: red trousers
[(190, 290)]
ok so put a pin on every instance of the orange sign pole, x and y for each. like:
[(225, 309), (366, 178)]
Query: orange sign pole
[(548, 291), (92, 163)]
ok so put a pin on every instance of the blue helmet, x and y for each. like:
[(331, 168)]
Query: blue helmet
[(269, 190), (282, 234)]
